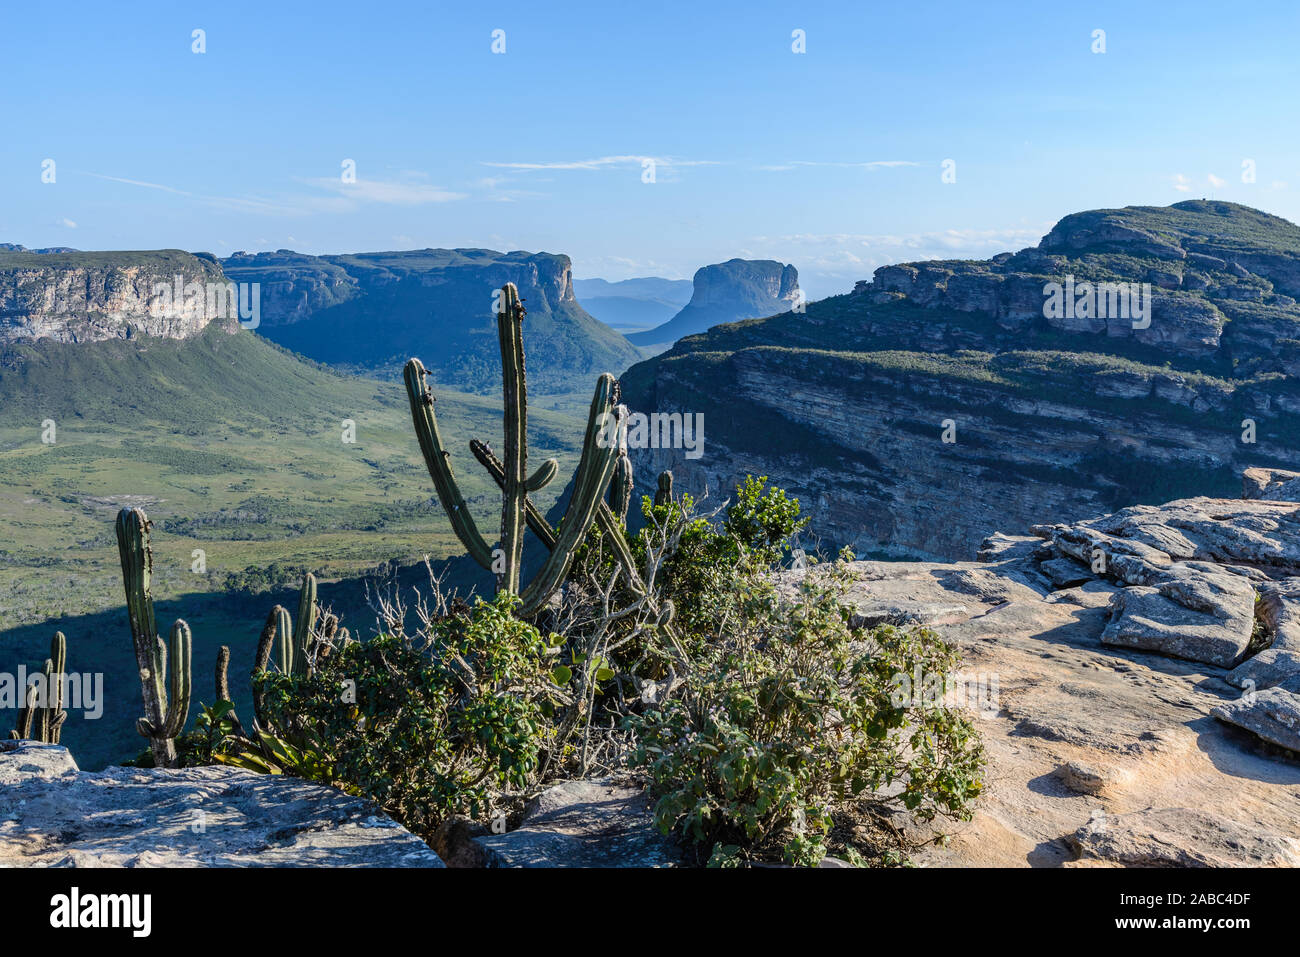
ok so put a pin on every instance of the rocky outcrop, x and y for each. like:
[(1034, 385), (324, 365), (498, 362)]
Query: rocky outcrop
[(726, 292), (594, 823), (88, 297), (942, 401), (1105, 753), (370, 312), (52, 814)]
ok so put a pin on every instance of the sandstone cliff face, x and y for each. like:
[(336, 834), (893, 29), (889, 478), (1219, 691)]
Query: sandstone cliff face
[(938, 403), (370, 312), (89, 297), (727, 292)]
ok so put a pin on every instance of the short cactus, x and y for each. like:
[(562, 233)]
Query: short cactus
[(295, 640), (42, 709), (166, 702), (664, 493)]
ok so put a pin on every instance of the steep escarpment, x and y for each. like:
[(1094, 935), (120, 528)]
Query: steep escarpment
[(75, 297), (944, 400), (370, 312), (726, 292)]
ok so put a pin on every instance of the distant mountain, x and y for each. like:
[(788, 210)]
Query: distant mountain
[(726, 292), (370, 312), (633, 303), (942, 401), (71, 296)]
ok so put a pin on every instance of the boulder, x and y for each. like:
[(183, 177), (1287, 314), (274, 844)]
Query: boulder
[(1180, 837), (1279, 611), (588, 823), (1193, 611), (1272, 714)]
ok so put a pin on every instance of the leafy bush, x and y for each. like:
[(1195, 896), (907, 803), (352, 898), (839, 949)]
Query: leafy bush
[(789, 714), (426, 726)]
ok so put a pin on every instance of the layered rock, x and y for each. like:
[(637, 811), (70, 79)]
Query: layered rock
[(88, 297), (942, 401), (726, 292), (370, 312)]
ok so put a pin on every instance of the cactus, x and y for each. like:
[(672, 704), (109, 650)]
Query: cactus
[(263, 661), (620, 488), (50, 718), (43, 706), (664, 494), (595, 468), (295, 651), (166, 703), (24, 729)]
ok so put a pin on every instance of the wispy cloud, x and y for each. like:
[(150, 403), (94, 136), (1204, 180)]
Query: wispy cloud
[(409, 190), (602, 162), (868, 164), (391, 193), (1182, 183)]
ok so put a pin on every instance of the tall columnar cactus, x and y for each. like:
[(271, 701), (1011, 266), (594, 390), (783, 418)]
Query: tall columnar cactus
[(42, 711), (166, 703), (600, 451)]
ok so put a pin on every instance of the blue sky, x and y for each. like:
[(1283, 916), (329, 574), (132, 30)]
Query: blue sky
[(829, 159)]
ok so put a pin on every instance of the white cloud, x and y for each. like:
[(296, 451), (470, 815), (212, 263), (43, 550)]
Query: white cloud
[(602, 162), (67, 222), (868, 164), (1182, 183), (392, 193), (1215, 181)]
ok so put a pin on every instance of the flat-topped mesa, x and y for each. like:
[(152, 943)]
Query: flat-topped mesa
[(79, 297), (727, 292), (367, 311), (1220, 280)]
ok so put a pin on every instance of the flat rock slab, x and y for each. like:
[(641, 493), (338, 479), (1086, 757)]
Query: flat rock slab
[(53, 815), (592, 823), (1180, 837)]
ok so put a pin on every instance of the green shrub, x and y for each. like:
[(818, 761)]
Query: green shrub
[(789, 715), (428, 726)]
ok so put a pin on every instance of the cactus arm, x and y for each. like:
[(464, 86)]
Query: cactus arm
[(595, 468), (284, 639), (137, 569), (515, 395), (532, 515), (262, 662), (304, 626), (24, 729), (59, 662), (180, 683), (543, 476), (438, 461), (620, 487)]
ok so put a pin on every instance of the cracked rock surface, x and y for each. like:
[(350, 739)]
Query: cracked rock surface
[(54, 815)]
